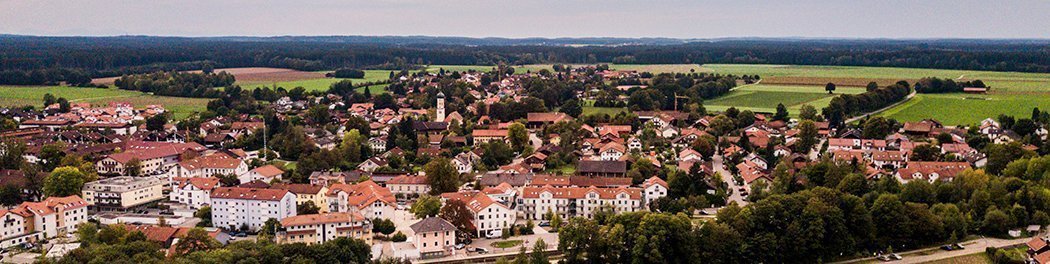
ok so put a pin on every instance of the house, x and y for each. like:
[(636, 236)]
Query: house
[(123, 192), (193, 192), (931, 170), (169, 236), (537, 161), (265, 173), (208, 165), (571, 202), (408, 185), (537, 120), (921, 128), (751, 172), (327, 178), (652, 189), (152, 157), (236, 208), (689, 154), (372, 164), (367, 198), (890, 159), (482, 136), (313, 193), (602, 168), (320, 228), (503, 193), (489, 216), (612, 151), (36, 221), (433, 237), (492, 179), (464, 162)]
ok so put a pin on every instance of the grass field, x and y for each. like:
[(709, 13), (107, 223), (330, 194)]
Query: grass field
[(506, 243), (322, 84), (33, 95), (764, 98), (961, 109)]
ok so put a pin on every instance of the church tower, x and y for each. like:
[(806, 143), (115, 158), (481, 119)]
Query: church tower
[(440, 107)]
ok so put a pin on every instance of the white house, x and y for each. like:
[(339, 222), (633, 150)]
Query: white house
[(652, 189), (206, 166), (235, 207), (265, 173), (367, 198), (193, 192), (538, 201), (490, 216)]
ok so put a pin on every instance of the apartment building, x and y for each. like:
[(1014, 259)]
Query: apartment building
[(367, 198), (206, 166), (193, 192), (153, 157), (123, 192), (408, 184), (489, 216), (570, 202), (34, 221), (324, 227), (235, 208)]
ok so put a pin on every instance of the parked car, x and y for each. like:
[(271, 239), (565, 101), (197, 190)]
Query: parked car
[(481, 250), (545, 223), (460, 246)]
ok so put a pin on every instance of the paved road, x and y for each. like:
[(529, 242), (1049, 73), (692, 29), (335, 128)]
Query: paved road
[(973, 246), (734, 194)]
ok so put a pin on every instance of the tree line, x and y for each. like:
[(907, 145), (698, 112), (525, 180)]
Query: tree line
[(173, 83), (114, 56), (847, 105), (938, 85)]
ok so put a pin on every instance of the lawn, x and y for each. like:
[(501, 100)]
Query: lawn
[(506, 243), (961, 109), (322, 84), (33, 95), (764, 98)]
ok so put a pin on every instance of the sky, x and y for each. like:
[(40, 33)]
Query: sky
[(532, 18)]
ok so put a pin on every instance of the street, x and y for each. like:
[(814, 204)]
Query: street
[(727, 177), (972, 246)]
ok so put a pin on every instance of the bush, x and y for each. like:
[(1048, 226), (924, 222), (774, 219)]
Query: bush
[(399, 237), (349, 73)]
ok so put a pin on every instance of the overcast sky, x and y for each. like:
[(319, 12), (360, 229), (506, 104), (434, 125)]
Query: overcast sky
[(534, 18)]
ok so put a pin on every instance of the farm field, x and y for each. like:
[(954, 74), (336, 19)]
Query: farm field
[(764, 98), (14, 96), (961, 109), (320, 83)]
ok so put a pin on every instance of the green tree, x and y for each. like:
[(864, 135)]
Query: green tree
[(270, 227), (51, 156), (307, 208), (807, 136), (722, 125), (519, 137), (204, 213), (877, 128), (782, 113), (133, 167), (64, 181), (195, 240), (457, 213), (157, 122), (808, 112), (49, 99), (426, 206), (539, 255), (441, 176), (830, 87), (872, 86), (572, 108)]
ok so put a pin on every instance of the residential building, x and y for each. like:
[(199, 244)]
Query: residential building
[(123, 192), (434, 237), (206, 166), (153, 157), (408, 184), (602, 168), (324, 227), (193, 192), (367, 198), (266, 173), (570, 202), (235, 208), (482, 136), (307, 193), (35, 221), (489, 216), (653, 188)]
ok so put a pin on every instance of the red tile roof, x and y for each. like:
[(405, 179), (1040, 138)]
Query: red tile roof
[(248, 193)]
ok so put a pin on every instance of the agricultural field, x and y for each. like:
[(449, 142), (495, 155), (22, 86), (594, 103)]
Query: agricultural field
[(764, 98), (1011, 93), (14, 96), (963, 109), (320, 83)]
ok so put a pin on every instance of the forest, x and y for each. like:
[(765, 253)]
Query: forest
[(115, 56)]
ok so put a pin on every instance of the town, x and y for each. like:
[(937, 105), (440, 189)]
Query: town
[(473, 165)]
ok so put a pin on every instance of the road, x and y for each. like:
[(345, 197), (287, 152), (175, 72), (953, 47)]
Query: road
[(973, 246), (906, 98), (734, 194)]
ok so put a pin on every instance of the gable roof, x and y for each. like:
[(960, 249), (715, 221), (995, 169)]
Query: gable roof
[(268, 171), (432, 224)]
